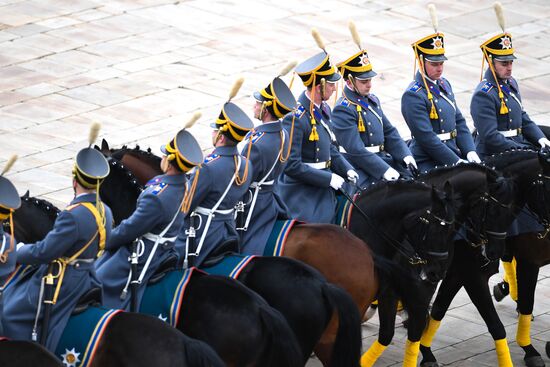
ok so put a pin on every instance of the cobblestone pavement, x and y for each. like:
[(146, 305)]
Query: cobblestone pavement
[(141, 66)]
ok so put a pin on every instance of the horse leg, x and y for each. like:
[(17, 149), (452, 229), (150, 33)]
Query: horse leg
[(478, 289), (387, 310), (448, 289), (527, 274)]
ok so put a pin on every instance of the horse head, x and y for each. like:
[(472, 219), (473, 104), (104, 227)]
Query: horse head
[(120, 190), (33, 220)]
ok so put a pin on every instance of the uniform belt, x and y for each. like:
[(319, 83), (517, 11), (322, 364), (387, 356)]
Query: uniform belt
[(447, 136), (161, 240), (207, 211), (372, 149), (510, 133), (253, 185), (318, 165)]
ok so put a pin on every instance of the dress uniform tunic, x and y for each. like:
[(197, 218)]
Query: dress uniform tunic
[(73, 229), (5, 268), (156, 207), (485, 110), (435, 142), (379, 135), (306, 189), (491, 125), (265, 158), (215, 175)]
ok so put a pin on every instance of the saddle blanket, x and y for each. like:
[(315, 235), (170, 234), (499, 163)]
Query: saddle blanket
[(164, 298), (276, 242), (82, 335), (343, 211), (231, 266)]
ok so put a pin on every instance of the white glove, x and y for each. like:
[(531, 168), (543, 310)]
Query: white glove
[(473, 157), (460, 160), (391, 174), (19, 245), (336, 181), (544, 142), (352, 176), (410, 160)]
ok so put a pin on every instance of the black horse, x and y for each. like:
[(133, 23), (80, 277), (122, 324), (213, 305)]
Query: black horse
[(409, 226), (129, 340), (488, 206), (300, 292), (241, 327)]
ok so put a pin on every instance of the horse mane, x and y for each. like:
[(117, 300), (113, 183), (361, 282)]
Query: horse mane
[(136, 151), (119, 167), (511, 156), (479, 167), (42, 204), (382, 185)]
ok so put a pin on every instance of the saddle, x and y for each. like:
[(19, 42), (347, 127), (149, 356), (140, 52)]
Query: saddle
[(90, 298), (217, 255), (167, 265)]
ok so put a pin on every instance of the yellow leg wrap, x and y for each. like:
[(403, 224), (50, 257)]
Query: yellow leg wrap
[(510, 278), (429, 332), (411, 354), (523, 335), (370, 356), (503, 353)]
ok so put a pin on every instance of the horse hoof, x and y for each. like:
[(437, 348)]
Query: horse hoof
[(535, 361), (429, 364), (500, 291)]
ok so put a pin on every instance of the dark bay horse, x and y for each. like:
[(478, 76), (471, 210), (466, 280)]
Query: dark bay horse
[(241, 327), (341, 257), (17, 353), (409, 227), (488, 206), (531, 172)]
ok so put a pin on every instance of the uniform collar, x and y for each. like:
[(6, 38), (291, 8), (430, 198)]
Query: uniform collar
[(418, 78), (174, 179), (226, 151), (82, 198), (271, 127), (491, 79), (354, 96)]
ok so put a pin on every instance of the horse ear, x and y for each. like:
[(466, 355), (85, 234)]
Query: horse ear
[(105, 148), (26, 195)]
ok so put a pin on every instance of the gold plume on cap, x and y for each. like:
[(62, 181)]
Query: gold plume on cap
[(235, 89), (354, 33), (500, 15), (318, 39), (9, 164), (433, 15), (94, 132), (287, 68), (194, 118)]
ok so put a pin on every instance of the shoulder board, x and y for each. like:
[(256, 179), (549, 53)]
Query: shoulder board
[(487, 87), (248, 134), (257, 136), (415, 87), (157, 189), (374, 98), (300, 111), (211, 158), (71, 207), (345, 102), (153, 181)]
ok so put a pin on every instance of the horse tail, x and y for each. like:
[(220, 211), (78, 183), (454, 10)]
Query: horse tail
[(200, 354), (346, 351), (281, 348)]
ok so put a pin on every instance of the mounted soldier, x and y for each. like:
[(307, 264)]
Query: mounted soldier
[(9, 202), (268, 148), (440, 135), (502, 124), (64, 259), (218, 184), (367, 138), (315, 167), (155, 223)]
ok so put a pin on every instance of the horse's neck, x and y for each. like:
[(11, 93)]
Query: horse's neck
[(524, 172)]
